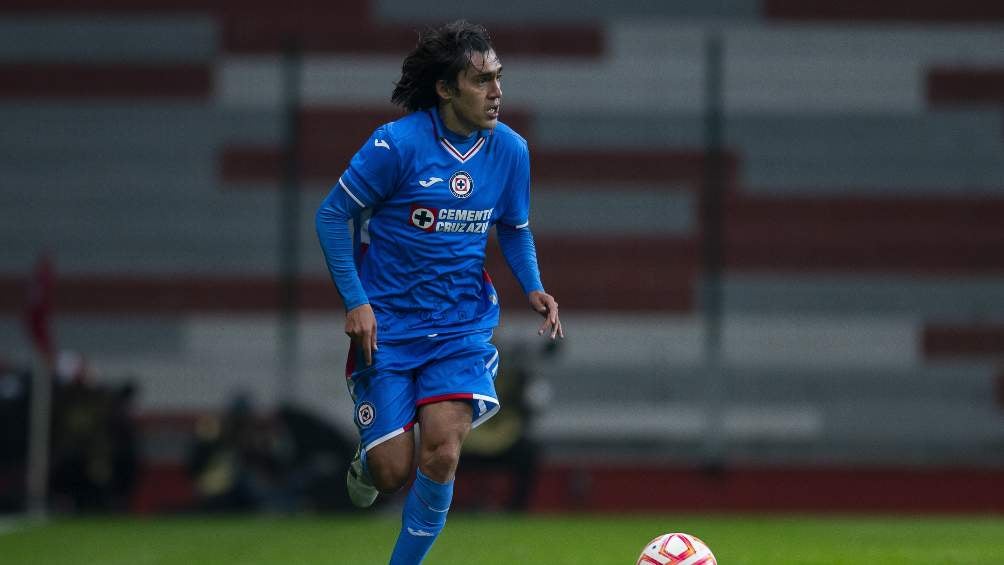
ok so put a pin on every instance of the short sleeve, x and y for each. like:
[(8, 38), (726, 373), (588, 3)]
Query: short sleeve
[(516, 211), (374, 170)]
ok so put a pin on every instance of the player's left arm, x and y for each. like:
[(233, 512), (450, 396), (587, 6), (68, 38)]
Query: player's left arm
[(516, 242), (520, 254)]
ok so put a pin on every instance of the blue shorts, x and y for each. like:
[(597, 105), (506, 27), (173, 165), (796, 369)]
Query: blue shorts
[(411, 373)]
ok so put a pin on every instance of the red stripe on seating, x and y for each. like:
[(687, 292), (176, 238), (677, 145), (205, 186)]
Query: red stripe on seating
[(105, 81), (977, 11), (332, 32), (635, 274), (110, 294), (880, 235), (347, 9), (955, 86), (71, 6), (604, 273), (903, 211), (654, 166), (268, 33), (982, 340)]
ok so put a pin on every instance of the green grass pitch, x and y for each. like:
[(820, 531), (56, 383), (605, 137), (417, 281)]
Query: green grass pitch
[(503, 539)]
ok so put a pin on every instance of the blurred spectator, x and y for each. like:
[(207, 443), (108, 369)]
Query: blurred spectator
[(317, 456), (294, 461), (72, 368), (232, 460), (94, 451), (14, 387)]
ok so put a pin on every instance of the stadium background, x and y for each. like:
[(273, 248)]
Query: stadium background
[(845, 352)]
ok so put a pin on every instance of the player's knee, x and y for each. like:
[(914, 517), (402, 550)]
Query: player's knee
[(439, 459), (390, 475), (391, 464), (445, 426)]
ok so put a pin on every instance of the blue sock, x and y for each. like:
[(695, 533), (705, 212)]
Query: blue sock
[(423, 518)]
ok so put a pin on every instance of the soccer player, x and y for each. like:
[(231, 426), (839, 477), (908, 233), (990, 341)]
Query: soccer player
[(421, 194)]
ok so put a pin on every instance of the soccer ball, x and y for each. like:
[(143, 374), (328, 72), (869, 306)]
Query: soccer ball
[(676, 549)]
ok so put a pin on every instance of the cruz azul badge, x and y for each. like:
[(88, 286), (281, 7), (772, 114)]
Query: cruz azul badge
[(365, 415), (461, 184)]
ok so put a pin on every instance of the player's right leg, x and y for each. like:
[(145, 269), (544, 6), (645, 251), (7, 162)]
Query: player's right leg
[(384, 413), (383, 469), (383, 463), (391, 464)]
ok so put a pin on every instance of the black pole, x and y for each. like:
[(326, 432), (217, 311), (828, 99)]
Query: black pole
[(712, 224), (711, 197), (289, 229)]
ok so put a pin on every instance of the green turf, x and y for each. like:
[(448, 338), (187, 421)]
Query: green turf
[(495, 539)]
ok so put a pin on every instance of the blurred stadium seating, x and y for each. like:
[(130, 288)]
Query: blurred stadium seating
[(863, 284)]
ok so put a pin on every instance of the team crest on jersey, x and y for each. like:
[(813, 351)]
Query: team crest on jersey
[(365, 414), (461, 184)]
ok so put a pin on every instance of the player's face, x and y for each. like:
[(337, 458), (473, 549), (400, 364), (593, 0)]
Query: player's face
[(475, 103)]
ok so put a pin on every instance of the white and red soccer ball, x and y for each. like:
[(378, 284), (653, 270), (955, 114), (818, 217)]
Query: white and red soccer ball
[(676, 549)]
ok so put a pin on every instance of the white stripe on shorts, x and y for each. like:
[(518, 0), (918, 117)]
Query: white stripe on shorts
[(383, 438), (487, 415), (494, 359)]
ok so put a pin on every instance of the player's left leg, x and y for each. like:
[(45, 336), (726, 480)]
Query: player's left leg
[(455, 393), (444, 426)]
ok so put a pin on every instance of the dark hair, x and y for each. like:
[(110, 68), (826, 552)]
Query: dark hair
[(441, 53)]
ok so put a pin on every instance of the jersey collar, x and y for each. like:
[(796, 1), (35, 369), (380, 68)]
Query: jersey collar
[(449, 140)]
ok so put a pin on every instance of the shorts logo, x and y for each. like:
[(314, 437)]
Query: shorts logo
[(423, 218), (461, 184), (365, 414)]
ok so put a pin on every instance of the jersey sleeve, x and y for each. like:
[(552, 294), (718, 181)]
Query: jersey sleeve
[(513, 227), (370, 178), (521, 255), (373, 171), (516, 205)]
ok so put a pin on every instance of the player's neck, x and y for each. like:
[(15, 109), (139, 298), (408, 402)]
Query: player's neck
[(453, 124)]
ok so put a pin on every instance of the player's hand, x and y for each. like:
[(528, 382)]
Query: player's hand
[(360, 325), (545, 305)]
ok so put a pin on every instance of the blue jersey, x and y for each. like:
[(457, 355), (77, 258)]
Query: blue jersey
[(422, 200)]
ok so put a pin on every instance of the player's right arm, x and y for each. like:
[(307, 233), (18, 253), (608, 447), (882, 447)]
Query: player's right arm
[(370, 178), (361, 327)]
